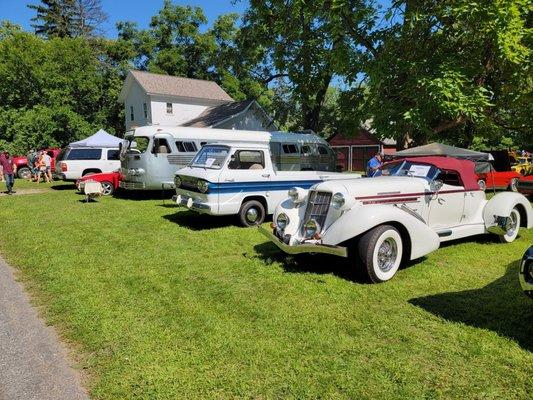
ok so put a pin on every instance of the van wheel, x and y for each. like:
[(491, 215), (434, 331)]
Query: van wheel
[(513, 227), (252, 213), (380, 253), (107, 188), (24, 173)]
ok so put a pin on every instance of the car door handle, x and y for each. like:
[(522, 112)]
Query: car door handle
[(266, 175), (230, 179), (441, 200)]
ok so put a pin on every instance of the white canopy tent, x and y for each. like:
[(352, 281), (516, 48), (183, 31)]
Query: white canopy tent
[(99, 139), (439, 149)]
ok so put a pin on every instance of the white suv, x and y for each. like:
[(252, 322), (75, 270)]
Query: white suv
[(74, 162)]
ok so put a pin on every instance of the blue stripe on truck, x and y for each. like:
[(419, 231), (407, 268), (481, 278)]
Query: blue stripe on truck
[(238, 187)]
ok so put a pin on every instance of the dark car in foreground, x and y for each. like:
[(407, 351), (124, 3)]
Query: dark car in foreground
[(526, 272)]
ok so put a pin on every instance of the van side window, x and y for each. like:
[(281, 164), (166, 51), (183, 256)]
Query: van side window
[(186, 147), (322, 150), (305, 149), (247, 159), (290, 149), (160, 146), (113, 155)]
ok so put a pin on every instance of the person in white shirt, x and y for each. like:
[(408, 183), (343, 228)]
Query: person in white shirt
[(48, 165)]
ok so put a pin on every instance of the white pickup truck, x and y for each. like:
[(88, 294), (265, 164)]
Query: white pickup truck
[(241, 179)]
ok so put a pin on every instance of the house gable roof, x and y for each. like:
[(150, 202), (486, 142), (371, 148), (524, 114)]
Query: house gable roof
[(214, 116), (176, 86)]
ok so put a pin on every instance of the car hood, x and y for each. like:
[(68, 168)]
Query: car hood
[(210, 175), (383, 185)]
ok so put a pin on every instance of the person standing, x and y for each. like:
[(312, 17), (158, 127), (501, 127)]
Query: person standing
[(9, 171), (31, 164), (373, 166), (48, 165)]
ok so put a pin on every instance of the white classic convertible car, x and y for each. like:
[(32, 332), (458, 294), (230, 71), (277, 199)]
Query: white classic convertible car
[(406, 213)]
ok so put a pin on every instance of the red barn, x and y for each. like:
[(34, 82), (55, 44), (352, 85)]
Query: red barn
[(354, 151)]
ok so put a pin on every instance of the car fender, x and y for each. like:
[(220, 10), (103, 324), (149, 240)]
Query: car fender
[(501, 205), (360, 219), (295, 212)]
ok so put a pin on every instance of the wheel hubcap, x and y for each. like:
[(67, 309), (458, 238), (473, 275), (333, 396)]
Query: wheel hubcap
[(252, 214), (512, 225), (387, 254), (106, 188)]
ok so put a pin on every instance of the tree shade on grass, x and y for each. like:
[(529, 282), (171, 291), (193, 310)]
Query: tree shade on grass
[(162, 303)]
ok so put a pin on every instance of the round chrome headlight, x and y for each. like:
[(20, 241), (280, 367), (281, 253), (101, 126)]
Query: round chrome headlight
[(202, 186), (282, 221), (177, 181), (311, 228), (293, 194), (338, 200)]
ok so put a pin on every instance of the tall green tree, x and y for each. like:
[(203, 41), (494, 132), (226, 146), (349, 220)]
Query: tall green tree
[(306, 44), (452, 70)]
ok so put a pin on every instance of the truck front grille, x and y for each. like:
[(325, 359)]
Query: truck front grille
[(178, 159), (317, 207)]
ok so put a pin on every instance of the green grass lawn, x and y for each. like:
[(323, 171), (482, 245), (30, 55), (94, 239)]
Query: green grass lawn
[(161, 303)]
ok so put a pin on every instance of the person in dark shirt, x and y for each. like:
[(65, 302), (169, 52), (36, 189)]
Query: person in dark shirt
[(9, 171)]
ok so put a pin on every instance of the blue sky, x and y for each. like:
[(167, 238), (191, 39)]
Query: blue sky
[(139, 11)]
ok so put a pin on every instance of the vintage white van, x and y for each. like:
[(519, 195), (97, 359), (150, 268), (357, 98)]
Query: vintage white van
[(250, 178), (151, 155)]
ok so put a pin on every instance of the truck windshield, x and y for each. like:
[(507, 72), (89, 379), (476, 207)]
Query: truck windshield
[(210, 157)]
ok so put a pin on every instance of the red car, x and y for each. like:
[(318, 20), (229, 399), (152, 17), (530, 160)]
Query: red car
[(506, 180), (525, 185), (109, 181), (23, 170)]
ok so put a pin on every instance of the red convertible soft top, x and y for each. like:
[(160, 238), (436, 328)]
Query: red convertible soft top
[(465, 168)]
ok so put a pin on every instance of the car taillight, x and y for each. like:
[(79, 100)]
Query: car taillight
[(64, 167)]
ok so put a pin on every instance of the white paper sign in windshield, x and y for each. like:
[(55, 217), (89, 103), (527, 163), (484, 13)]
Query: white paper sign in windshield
[(209, 162), (419, 170)]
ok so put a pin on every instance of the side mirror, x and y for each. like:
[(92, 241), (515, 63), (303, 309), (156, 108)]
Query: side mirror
[(436, 185)]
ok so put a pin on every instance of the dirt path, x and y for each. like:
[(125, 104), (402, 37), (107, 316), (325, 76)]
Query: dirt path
[(25, 191), (33, 362)]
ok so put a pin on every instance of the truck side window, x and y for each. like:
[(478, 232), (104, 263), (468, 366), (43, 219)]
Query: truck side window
[(113, 154), (186, 147), (290, 149), (322, 150), (161, 146), (247, 159)]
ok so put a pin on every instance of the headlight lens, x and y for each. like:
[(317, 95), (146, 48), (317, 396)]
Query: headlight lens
[(202, 186), (293, 194), (338, 200), (177, 181), (311, 228), (282, 221)]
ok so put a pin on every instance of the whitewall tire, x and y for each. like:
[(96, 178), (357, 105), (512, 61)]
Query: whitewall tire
[(514, 226), (380, 253)]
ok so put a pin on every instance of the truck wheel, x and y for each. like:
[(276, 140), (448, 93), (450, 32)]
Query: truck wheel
[(252, 213), (482, 184), (380, 253), (24, 173), (107, 188), (512, 230), (512, 185)]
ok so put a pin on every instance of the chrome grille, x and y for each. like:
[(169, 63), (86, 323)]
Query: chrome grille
[(189, 182), (317, 207), (178, 159)]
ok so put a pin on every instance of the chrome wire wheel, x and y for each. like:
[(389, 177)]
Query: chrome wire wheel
[(512, 227), (387, 254)]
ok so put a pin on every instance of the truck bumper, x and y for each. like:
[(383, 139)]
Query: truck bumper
[(191, 204), (304, 247)]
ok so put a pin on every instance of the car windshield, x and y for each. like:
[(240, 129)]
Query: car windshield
[(410, 168), (210, 157)]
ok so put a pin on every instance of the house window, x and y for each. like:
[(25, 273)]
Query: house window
[(132, 115), (145, 110), (169, 108), (186, 147)]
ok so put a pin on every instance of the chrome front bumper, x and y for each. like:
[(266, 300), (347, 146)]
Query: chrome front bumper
[(304, 247), (190, 203)]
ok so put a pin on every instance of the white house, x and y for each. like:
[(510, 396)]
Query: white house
[(155, 99)]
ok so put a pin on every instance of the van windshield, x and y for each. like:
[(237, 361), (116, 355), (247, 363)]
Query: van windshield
[(210, 157), (135, 144)]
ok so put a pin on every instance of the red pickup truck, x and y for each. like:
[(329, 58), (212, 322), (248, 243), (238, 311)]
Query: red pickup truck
[(23, 170)]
